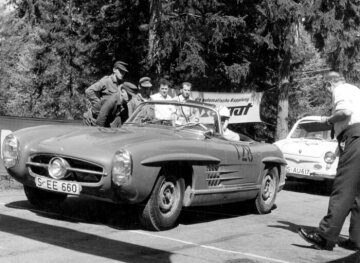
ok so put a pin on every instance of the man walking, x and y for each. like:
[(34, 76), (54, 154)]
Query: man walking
[(102, 90), (345, 196)]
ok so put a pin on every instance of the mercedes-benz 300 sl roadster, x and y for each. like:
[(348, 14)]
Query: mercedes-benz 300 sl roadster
[(168, 155)]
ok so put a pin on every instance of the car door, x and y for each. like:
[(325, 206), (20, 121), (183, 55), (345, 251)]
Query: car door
[(239, 163)]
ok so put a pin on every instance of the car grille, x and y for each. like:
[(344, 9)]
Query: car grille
[(80, 170), (213, 175)]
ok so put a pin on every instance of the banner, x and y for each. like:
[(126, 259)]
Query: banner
[(244, 107)]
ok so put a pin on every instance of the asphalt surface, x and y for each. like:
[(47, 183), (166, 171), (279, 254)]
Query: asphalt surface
[(85, 230)]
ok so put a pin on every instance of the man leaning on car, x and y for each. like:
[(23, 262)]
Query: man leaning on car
[(102, 90), (111, 108), (345, 195)]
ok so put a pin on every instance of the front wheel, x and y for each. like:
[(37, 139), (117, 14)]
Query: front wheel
[(266, 198), (44, 199), (164, 205)]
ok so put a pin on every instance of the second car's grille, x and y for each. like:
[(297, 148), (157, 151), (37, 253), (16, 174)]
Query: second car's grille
[(79, 170)]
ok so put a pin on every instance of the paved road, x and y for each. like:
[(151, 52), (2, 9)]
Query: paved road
[(88, 231)]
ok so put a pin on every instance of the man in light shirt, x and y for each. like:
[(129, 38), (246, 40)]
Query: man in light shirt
[(186, 114), (163, 112), (345, 196)]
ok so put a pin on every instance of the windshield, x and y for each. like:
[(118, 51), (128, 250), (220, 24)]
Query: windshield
[(312, 130), (175, 114)]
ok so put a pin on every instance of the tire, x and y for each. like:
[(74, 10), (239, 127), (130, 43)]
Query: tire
[(164, 204), (265, 200), (43, 199)]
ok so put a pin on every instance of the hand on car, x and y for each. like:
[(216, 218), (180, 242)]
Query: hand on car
[(89, 119)]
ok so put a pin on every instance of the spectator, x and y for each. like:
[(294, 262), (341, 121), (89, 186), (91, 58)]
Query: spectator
[(163, 112), (103, 89), (144, 90)]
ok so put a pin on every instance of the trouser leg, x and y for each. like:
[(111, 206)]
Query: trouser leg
[(354, 230), (345, 190)]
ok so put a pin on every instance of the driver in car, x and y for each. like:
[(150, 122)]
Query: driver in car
[(227, 133)]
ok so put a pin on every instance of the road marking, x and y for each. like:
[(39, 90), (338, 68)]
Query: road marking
[(210, 247), (268, 259)]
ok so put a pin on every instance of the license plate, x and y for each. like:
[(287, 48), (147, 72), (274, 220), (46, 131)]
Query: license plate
[(296, 170), (58, 185)]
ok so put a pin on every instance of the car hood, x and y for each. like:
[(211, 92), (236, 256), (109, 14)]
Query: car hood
[(306, 147), (98, 138)]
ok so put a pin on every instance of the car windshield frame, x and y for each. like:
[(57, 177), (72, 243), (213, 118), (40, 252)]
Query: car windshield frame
[(205, 111), (312, 130)]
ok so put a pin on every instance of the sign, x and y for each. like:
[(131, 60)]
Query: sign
[(244, 107)]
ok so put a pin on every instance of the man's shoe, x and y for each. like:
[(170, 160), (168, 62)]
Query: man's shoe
[(348, 244), (314, 238)]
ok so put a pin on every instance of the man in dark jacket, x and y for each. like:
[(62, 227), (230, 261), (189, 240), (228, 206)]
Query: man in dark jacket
[(142, 95), (102, 90), (112, 107)]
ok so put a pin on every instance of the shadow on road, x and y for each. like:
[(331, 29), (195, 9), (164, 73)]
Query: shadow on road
[(82, 209), (309, 186), (202, 214), (79, 209), (80, 241)]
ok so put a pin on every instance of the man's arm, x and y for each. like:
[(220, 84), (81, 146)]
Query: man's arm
[(105, 111), (91, 92), (339, 115)]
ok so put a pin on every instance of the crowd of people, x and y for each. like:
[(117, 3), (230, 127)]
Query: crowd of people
[(112, 100)]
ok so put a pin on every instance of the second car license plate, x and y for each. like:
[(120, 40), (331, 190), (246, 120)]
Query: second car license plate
[(58, 185), (296, 170)]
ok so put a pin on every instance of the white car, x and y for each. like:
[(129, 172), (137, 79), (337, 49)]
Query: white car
[(309, 150)]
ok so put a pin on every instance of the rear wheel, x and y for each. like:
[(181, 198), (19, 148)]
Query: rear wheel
[(164, 205), (43, 199), (266, 198)]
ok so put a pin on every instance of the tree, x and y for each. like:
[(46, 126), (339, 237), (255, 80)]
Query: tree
[(334, 25)]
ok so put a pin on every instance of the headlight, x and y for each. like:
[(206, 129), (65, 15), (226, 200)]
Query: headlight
[(11, 151), (329, 157), (121, 167)]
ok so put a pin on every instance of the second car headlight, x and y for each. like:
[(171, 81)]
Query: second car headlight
[(11, 151), (121, 167), (329, 157)]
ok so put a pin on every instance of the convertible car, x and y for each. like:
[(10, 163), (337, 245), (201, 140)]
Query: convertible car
[(168, 155)]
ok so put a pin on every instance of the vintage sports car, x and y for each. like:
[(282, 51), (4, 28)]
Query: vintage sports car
[(309, 150), (168, 155)]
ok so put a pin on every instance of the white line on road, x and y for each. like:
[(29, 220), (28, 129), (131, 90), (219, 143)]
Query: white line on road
[(268, 259), (210, 247)]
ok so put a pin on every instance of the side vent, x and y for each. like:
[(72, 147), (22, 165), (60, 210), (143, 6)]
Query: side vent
[(213, 175)]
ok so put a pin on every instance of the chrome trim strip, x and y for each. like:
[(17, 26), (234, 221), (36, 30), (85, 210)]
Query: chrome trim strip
[(227, 190), (68, 169), (38, 164), (223, 179), (85, 171)]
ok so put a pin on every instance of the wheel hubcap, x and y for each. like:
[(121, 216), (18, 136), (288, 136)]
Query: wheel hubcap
[(167, 196), (269, 188)]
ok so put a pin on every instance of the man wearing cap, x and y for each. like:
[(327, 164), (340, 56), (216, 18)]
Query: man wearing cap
[(144, 89), (111, 108), (345, 193), (102, 90), (228, 134)]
